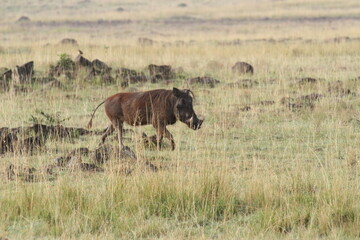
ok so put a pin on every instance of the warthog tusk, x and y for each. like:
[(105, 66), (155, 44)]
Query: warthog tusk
[(190, 120)]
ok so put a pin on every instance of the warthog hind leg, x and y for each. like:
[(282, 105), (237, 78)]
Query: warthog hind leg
[(108, 131)]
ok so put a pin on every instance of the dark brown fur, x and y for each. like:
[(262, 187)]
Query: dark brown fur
[(157, 107)]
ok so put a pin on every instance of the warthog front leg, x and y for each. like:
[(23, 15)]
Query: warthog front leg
[(169, 136), (163, 132), (159, 138), (120, 132)]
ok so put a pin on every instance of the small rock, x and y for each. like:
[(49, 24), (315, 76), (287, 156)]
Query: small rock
[(160, 72), (69, 41), (267, 103), (100, 66), (145, 41), (102, 153), (127, 76), (211, 82), (24, 72), (151, 166), (5, 74), (306, 80), (245, 108), (23, 19), (243, 83), (81, 61), (337, 89), (126, 152), (242, 68), (90, 167)]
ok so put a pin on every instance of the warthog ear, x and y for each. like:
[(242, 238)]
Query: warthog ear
[(177, 92), (189, 93)]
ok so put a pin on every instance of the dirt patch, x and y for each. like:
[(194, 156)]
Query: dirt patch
[(26, 174), (99, 156), (302, 102), (160, 72), (54, 84), (100, 67), (23, 19), (64, 66), (267, 103), (8, 137), (129, 76), (337, 89), (29, 139), (10, 141), (5, 78), (239, 108), (72, 158), (71, 68), (245, 108), (73, 161), (81, 62), (69, 41), (5, 74), (105, 151), (243, 83), (205, 81), (145, 41), (30, 144), (149, 141), (306, 80), (311, 97), (24, 73), (105, 77), (95, 68), (102, 154), (59, 131), (182, 5)]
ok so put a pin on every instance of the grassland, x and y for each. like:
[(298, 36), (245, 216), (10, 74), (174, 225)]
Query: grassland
[(273, 172)]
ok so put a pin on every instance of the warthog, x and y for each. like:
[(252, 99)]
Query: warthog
[(158, 107)]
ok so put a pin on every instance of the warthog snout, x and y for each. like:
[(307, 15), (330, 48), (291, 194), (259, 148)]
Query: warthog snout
[(200, 123), (195, 123)]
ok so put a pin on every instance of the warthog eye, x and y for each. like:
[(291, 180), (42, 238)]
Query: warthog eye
[(181, 104)]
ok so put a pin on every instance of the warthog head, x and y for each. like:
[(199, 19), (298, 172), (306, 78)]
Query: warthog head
[(184, 108)]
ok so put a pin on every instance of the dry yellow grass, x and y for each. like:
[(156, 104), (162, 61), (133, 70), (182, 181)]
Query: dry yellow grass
[(261, 174)]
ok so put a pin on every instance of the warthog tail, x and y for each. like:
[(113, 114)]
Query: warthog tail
[(89, 125)]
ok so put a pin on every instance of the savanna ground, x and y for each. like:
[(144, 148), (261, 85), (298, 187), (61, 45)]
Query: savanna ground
[(274, 170)]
